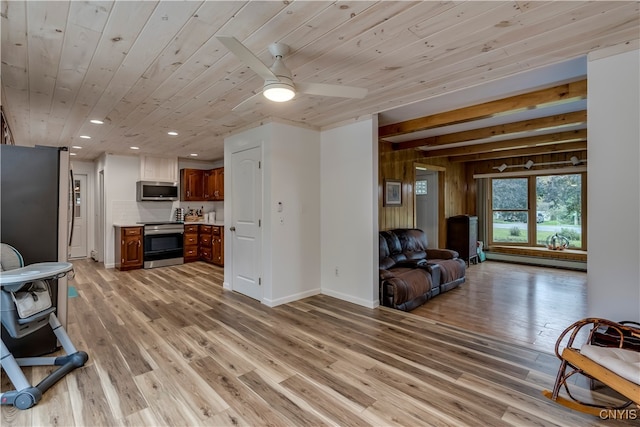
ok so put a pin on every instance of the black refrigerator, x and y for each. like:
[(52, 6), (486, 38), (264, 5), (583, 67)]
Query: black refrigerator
[(34, 214)]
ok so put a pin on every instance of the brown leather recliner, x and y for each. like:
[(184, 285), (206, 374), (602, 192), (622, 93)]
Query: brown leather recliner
[(410, 273)]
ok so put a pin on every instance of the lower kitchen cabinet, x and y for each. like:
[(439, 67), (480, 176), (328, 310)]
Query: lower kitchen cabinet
[(204, 242), (217, 245), (191, 243), (128, 246)]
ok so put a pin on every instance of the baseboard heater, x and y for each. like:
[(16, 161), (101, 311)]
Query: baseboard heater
[(545, 262)]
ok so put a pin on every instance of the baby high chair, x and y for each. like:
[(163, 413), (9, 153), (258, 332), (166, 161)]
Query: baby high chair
[(26, 307)]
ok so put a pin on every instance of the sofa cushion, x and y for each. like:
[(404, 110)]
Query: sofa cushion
[(413, 243), (450, 269)]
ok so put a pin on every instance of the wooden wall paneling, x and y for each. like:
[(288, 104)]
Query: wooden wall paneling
[(484, 167), (401, 165)]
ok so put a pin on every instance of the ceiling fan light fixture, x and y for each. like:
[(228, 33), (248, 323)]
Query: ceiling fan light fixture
[(278, 91)]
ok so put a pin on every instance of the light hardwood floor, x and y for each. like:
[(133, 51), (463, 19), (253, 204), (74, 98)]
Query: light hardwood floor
[(169, 346), (523, 304)]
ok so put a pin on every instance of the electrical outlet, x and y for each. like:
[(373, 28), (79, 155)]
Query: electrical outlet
[(337, 273)]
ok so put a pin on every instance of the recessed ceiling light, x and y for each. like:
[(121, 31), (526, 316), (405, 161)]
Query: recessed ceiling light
[(85, 137), (194, 154), (172, 133), (135, 148), (77, 147), (96, 122), (72, 154)]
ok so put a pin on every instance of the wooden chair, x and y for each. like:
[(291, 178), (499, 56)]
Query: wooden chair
[(616, 336)]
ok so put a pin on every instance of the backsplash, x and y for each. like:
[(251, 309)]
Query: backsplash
[(130, 212)]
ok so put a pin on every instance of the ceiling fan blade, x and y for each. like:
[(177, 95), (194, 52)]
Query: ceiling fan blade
[(249, 102), (332, 90), (246, 56)]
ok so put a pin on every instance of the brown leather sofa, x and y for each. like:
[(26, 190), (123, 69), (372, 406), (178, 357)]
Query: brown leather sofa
[(410, 273)]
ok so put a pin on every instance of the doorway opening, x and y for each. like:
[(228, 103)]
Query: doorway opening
[(429, 202)]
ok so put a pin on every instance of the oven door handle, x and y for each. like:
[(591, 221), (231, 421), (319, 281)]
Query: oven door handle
[(157, 232)]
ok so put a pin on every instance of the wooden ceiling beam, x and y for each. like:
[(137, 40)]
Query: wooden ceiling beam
[(552, 96), (558, 120), (564, 147), (496, 147)]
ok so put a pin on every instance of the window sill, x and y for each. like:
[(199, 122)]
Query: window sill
[(566, 255)]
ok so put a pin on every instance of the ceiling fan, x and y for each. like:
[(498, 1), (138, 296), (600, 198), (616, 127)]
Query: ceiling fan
[(278, 84)]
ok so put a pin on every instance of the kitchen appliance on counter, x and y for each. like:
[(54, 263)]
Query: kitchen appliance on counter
[(35, 189), (163, 243), (179, 214)]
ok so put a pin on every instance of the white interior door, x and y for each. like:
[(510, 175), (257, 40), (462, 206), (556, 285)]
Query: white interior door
[(80, 206), (427, 204), (246, 202)]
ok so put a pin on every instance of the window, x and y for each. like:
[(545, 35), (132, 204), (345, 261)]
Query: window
[(559, 204), (510, 204), (528, 210), (421, 187)]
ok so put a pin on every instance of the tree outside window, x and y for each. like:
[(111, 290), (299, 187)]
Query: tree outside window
[(552, 202)]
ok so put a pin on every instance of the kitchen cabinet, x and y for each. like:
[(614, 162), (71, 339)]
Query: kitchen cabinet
[(192, 185), (218, 184), (462, 236), (128, 246), (204, 243), (191, 252), (217, 245), (198, 185), (163, 169)]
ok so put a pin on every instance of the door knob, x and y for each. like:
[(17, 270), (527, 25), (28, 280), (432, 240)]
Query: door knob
[(232, 228)]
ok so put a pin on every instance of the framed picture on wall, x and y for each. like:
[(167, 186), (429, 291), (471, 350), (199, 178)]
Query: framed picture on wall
[(392, 192)]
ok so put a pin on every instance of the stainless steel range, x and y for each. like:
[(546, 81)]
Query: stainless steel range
[(163, 243)]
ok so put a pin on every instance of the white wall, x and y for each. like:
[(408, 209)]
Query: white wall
[(613, 277), (292, 163), (349, 212), (327, 183), (120, 176)]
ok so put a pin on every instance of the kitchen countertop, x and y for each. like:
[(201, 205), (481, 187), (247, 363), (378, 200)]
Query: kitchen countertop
[(216, 223), (133, 224)]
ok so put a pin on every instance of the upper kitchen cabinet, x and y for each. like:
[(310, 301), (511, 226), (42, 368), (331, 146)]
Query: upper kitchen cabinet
[(197, 185), (191, 185), (214, 184), (164, 169)]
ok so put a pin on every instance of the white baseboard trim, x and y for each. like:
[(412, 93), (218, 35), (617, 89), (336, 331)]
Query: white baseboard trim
[(290, 298), (226, 285), (546, 262), (351, 299)]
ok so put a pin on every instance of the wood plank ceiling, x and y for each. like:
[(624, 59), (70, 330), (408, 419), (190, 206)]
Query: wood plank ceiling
[(148, 67)]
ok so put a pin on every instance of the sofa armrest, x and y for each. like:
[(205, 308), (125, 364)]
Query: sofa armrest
[(441, 254), (385, 274), (434, 271)]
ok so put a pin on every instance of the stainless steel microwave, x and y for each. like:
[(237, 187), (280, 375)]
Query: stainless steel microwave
[(156, 191)]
